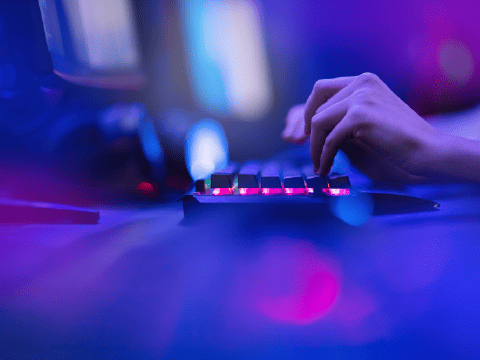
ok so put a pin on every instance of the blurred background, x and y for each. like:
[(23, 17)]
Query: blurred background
[(108, 100)]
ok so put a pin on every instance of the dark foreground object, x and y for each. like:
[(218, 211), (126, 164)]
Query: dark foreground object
[(200, 205)]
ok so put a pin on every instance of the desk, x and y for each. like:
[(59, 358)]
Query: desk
[(145, 283)]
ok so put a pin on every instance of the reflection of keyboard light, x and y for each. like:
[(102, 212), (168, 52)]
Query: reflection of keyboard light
[(222, 191), (295, 191), (248, 191), (336, 192), (271, 191)]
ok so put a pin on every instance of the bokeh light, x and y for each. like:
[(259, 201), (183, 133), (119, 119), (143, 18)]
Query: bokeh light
[(355, 209), (150, 143), (148, 189), (456, 61), (121, 119), (206, 149), (227, 57), (291, 282), (341, 163)]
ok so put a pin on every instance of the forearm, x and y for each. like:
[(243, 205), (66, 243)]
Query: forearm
[(452, 158), (465, 124)]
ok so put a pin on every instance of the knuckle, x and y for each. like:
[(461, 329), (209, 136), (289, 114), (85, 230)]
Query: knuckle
[(359, 122), (357, 113), (368, 78), (365, 97), (319, 84)]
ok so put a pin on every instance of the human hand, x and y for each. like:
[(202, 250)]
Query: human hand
[(368, 121), (295, 125)]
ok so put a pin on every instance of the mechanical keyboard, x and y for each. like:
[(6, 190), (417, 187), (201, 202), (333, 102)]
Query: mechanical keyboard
[(261, 189)]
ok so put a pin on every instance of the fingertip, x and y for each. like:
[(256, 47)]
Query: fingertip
[(325, 168), (286, 133)]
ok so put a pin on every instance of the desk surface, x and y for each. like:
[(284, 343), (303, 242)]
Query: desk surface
[(145, 283)]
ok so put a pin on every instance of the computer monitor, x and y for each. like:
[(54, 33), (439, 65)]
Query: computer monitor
[(93, 42), (207, 57)]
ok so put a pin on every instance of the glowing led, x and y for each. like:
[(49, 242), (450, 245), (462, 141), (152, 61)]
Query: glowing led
[(222, 191), (310, 190), (248, 191), (339, 192), (294, 191), (272, 191), (206, 149), (336, 192)]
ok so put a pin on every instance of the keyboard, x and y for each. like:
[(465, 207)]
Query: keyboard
[(282, 187)]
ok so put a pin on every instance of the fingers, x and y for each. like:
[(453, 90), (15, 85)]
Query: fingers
[(299, 135), (341, 133), (322, 124), (294, 125), (322, 91), (292, 131)]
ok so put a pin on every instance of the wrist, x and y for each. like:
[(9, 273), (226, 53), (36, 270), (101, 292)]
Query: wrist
[(450, 158)]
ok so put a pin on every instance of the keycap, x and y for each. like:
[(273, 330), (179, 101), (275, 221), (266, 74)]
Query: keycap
[(200, 185), (224, 178), (339, 182), (292, 178), (271, 176), (312, 180), (249, 176)]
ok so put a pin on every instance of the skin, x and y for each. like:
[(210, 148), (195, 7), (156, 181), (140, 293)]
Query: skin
[(381, 134)]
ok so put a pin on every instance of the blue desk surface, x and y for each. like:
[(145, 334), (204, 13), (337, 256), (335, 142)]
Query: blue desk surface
[(144, 283)]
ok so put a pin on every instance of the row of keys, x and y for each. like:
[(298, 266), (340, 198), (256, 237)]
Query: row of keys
[(271, 177)]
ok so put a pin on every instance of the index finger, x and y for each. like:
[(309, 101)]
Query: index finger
[(322, 91)]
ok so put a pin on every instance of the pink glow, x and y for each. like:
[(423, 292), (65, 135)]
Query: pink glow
[(272, 191), (310, 190), (336, 192), (308, 289), (295, 191), (222, 191), (249, 191)]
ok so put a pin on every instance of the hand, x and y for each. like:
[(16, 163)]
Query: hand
[(368, 121), (295, 125)]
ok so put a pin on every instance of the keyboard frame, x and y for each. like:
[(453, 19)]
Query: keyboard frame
[(197, 204)]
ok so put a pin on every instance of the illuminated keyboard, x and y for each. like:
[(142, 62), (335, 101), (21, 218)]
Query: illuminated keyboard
[(265, 189), (269, 179)]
